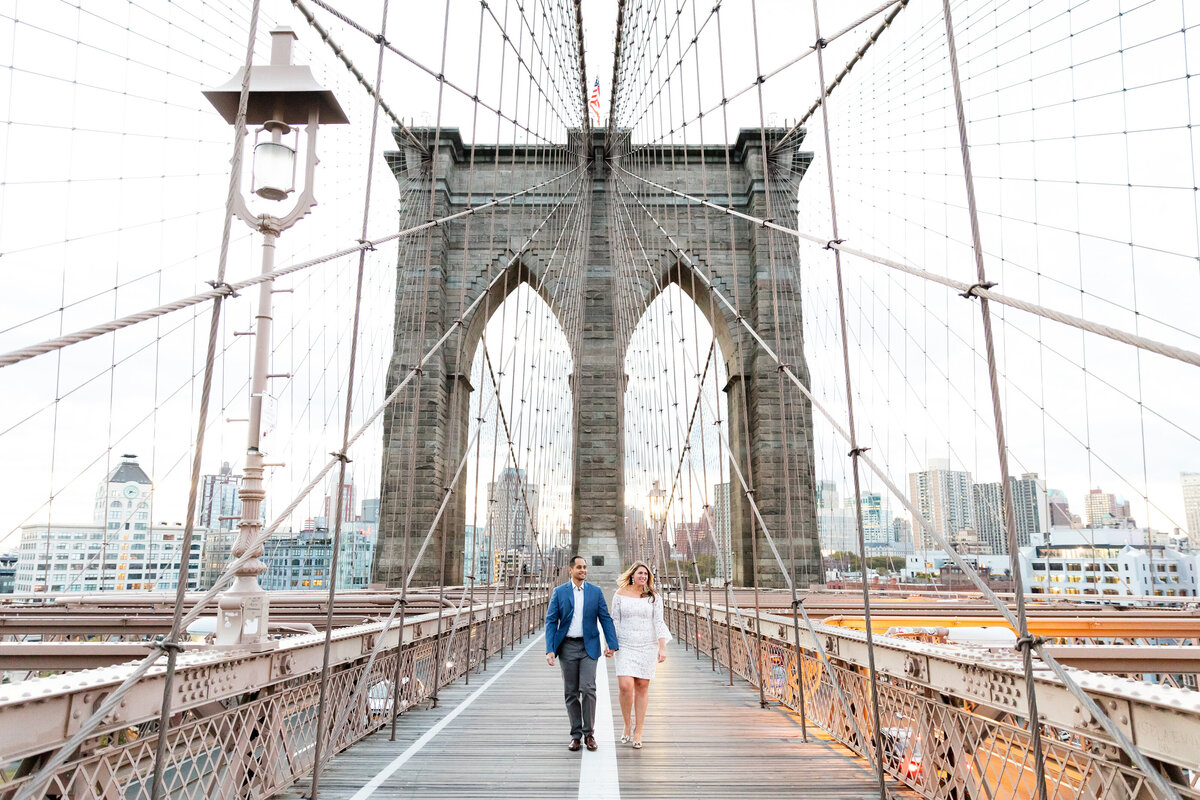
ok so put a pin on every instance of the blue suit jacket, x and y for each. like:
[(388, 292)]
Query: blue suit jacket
[(562, 608)]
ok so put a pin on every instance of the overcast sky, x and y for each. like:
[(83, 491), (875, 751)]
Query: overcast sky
[(114, 173)]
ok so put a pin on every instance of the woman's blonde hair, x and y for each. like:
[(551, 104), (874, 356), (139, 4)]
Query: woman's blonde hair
[(626, 578)]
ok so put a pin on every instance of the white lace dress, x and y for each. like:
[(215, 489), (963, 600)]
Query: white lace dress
[(639, 623)]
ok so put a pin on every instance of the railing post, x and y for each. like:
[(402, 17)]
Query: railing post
[(799, 668), (470, 632), (396, 675), (487, 629), (683, 608), (728, 633), (437, 653), (712, 639)]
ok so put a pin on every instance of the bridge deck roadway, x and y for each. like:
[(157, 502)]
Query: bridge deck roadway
[(505, 736)]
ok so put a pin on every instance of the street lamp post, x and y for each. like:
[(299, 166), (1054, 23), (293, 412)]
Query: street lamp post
[(281, 95)]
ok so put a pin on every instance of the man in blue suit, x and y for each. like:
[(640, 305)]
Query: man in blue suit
[(572, 635)]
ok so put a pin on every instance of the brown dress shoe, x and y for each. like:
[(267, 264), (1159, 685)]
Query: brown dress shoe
[(590, 742), (574, 745)]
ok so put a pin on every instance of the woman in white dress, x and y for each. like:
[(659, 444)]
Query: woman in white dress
[(637, 613)]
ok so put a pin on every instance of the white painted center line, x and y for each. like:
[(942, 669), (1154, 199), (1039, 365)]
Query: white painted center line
[(598, 771), (370, 786)]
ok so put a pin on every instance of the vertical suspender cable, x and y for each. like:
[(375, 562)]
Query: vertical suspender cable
[(785, 431), (171, 643), (743, 365), (855, 450), (462, 343), (1025, 642), (339, 513)]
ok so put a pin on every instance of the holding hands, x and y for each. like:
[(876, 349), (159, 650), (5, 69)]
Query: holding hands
[(609, 652)]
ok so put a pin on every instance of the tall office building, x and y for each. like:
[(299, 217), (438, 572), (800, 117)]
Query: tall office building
[(724, 527), (635, 535), (347, 490), (1031, 508), (902, 535), (1031, 504), (1191, 504), (477, 555), (219, 507), (837, 525), (692, 539), (1060, 509), (512, 511), (370, 510), (827, 494), (989, 516), (1105, 510), (216, 555), (877, 521), (944, 497)]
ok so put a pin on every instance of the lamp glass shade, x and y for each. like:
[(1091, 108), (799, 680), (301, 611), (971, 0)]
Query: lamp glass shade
[(274, 170)]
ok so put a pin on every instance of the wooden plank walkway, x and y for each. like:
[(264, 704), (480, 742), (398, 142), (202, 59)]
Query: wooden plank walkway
[(505, 736)]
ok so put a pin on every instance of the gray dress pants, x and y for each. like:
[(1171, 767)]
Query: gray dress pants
[(579, 684)]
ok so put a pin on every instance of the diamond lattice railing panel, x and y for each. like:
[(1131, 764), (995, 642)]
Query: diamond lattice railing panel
[(943, 751), (264, 744)]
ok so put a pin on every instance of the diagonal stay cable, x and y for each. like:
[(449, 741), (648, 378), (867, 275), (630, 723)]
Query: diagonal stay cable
[(858, 54), (967, 289), (610, 129), (88, 726), (712, 527), (170, 643), (361, 685), (440, 77), (749, 494), (373, 91), (855, 450), (231, 289), (1086, 702), (759, 80), (335, 545)]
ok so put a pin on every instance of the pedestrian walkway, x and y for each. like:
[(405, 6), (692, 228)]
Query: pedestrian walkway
[(505, 736)]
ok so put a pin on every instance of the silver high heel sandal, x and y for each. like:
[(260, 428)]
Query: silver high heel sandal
[(637, 745), (626, 738)]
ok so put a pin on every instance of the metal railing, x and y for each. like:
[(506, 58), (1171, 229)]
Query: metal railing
[(256, 743), (939, 743)]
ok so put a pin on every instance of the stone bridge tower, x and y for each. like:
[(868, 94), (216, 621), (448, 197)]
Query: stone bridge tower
[(434, 271)]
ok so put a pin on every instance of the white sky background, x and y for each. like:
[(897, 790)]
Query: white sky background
[(114, 174)]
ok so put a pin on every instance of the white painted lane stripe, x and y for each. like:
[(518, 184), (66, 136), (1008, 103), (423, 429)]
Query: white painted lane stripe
[(370, 786), (598, 771)]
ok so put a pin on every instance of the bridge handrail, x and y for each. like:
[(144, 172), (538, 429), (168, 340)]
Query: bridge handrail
[(1163, 721), (38, 714)]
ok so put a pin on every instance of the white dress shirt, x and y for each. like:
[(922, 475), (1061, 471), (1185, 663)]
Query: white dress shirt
[(575, 629)]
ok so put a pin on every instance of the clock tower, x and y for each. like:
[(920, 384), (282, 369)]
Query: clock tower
[(123, 498)]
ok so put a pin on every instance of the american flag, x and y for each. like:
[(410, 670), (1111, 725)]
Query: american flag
[(594, 102)]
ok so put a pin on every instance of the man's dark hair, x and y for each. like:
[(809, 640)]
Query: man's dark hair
[(575, 558)]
